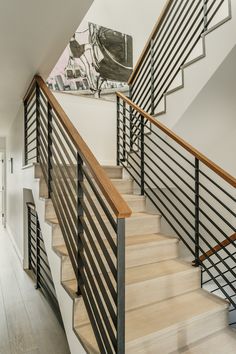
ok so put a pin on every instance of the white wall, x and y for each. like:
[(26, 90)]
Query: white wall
[(14, 203), (33, 34), (96, 122), (130, 17), (96, 119), (2, 143), (209, 124)]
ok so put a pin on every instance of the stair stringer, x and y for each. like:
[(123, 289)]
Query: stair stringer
[(177, 100), (66, 302)]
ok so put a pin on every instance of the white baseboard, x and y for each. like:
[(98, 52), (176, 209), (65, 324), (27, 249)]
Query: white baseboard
[(16, 248)]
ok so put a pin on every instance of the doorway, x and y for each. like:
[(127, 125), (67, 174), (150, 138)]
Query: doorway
[(2, 188)]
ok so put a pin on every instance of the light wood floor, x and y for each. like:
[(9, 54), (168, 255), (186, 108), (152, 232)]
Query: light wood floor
[(27, 323)]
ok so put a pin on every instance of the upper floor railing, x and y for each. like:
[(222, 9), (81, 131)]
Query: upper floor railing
[(195, 197), (180, 27), (90, 211)]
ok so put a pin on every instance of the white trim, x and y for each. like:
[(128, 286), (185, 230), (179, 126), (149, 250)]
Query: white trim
[(16, 248)]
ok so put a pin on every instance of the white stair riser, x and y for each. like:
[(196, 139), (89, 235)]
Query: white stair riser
[(146, 254), (143, 225), (180, 335), (57, 237), (161, 288), (67, 272), (150, 291), (137, 205)]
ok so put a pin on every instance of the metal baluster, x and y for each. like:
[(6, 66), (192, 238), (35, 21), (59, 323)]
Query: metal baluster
[(142, 154), (118, 131), (131, 118), (37, 285), (25, 131), (152, 78), (37, 120), (120, 286), (49, 150), (80, 196), (196, 262), (29, 239), (205, 14), (124, 131)]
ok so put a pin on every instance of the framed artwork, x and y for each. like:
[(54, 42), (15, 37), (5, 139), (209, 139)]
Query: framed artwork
[(97, 62)]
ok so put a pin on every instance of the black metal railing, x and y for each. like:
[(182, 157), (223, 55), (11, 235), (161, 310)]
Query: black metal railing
[(170, 47), (93, 228), (211, 286), (38, 260), (194, 196)]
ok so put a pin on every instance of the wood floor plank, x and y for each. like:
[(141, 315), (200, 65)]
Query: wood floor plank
[(4, 337), (27, 323)]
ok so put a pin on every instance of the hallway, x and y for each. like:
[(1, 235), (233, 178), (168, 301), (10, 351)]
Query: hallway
[(27, 323)]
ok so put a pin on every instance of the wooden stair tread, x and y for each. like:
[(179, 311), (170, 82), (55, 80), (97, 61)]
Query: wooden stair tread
[(131, 241), (155, 270), (159, 318), (71, 287), (222, 342), (143, 215), (148, 271)]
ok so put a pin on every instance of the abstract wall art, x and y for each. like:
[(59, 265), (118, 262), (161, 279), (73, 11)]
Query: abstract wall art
[(97, 62)]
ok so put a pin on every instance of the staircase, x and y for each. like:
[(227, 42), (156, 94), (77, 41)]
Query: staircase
[(166, 309), (130, 291), (185, 34)]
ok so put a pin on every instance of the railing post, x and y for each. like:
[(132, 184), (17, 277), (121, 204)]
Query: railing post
[(205, 14), (25, 134), (49, 150), (37, 120), (37, 286), (118, 131), (124, 131), (142, 154), (80, 230), (152, 78), (29, 238), (196, 262), (120, 286), (131, 117)]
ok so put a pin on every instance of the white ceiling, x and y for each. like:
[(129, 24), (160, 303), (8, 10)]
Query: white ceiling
[(33, 34)]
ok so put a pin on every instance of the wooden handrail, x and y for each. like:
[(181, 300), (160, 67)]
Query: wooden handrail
[(31, 206), (217, 248), (151, 37), (113, 197), (218, 170)]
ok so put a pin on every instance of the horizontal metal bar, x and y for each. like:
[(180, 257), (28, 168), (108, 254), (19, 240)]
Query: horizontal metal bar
[(191, 224), (91, 268), (217, 185), (70, 186), (169, 178), (97, 254), (169, 145), (30, 126), (72, 222), (100, 332), (217, 199), (218, 214), (59, 153), (65, 217), (72, 255), (65, 136), (172, 192), (70, 205), (170, 157), (65, 149), (96, 232)]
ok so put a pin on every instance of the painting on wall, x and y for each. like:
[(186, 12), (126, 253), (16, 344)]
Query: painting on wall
[(97, 62)]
